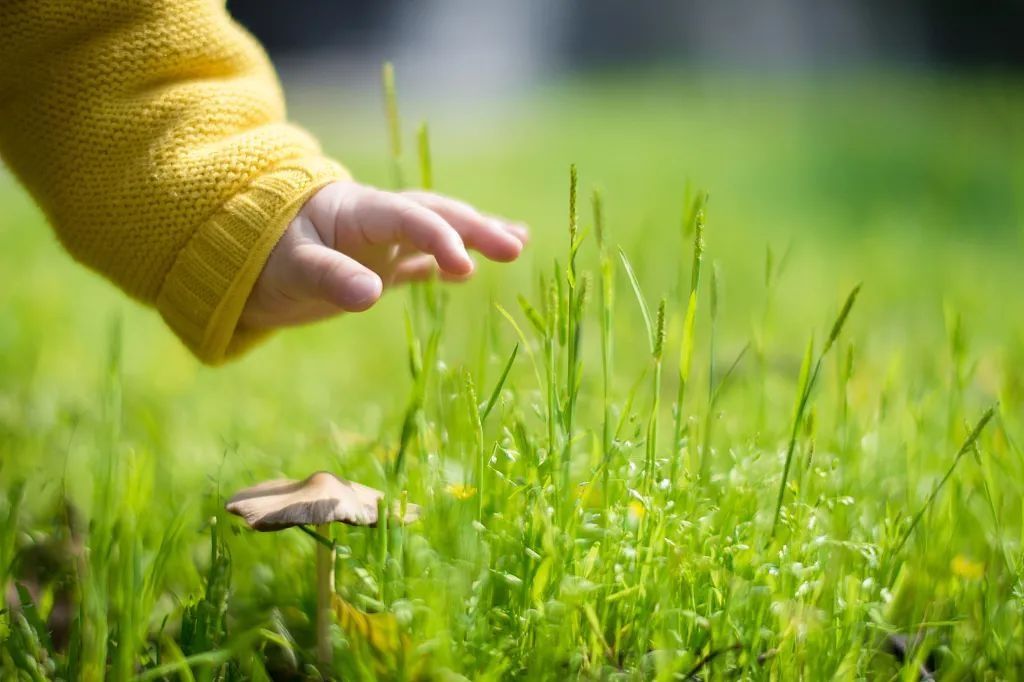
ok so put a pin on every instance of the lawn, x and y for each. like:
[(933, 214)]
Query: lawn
[(615, 507)]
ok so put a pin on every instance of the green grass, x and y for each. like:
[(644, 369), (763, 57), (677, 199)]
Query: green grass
[(779, 514)]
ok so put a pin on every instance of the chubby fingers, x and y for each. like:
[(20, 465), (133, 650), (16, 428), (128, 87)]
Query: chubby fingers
[(497, 240), (421, 267), (377, 218), (321, 273)]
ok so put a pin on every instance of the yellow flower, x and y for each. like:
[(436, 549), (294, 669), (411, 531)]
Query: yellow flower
[(461, 491), (967, 569), (636, 510), (589, 494)]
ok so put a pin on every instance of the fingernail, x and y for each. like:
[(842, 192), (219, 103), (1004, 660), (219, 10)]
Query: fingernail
[(520, 232), (363, 288)]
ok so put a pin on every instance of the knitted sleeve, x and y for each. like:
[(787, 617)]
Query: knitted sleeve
[(153, 135)]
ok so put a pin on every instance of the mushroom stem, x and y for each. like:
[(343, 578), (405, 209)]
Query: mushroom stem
[(324, 596)]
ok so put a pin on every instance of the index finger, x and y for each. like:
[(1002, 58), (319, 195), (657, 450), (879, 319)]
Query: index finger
[(383, 217)]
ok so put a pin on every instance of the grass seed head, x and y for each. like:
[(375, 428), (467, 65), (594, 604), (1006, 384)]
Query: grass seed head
[(659, 330)]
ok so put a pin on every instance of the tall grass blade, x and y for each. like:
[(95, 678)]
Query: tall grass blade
[(966, 447), (573, 220), (644, 310), (652, 420), (803, 390), (540, 324), (713, 309), (709, 417), (523, 341), (501, 382), (693, 204), (423, 147), (574, 298), (607, 308), (686, 345), (806, 384), (394, 124), (476, 423), (837, 326)]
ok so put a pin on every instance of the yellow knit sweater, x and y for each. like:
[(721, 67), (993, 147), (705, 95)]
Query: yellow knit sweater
[(153, 135)]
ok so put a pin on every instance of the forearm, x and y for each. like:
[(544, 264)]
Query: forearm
[(153, 135)]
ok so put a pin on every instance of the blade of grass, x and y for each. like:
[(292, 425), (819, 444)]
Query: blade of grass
[(644, 310), (423, 147), (686, 345), (964, 449), (523, 342), (573, 320), (501, 382), (709, 417), (806, 384), (394, 124), (693, 204), (607, 303), (476, 422), (652, 423)]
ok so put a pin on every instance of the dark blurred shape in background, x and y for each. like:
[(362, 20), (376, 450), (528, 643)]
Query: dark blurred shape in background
[(898, 114), (569, 34)]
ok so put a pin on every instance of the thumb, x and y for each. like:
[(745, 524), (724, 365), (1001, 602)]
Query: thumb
[(321, 273)]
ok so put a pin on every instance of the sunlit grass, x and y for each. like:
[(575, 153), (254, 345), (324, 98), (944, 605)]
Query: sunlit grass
[(588, 511)]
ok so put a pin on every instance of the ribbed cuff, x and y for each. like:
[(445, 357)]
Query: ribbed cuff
[(206, 289)]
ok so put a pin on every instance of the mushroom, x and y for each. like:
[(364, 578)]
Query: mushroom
[(319, 500)]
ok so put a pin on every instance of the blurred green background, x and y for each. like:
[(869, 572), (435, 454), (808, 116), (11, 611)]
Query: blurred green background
[(908, 180), (908, 183)]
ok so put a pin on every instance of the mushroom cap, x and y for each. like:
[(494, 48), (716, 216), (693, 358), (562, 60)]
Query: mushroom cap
[(321, 498)]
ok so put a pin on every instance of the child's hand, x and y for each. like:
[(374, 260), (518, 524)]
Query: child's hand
[(349, 242)]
